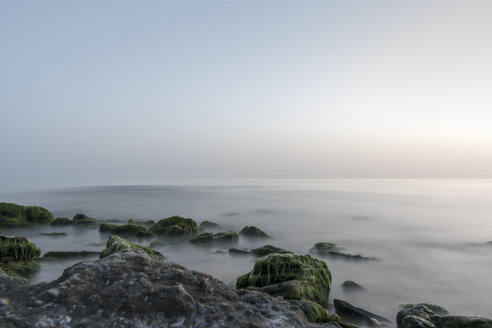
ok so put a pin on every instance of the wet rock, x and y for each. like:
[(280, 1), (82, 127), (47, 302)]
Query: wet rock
[(156, 243), (356, 315), (18, 255), (209, 224), (129, 228), (296, 277), (332, 250), (429, 312), (208, 238), (68, 254), (458, 321), (351, 286), (134, 289), (117, 244), (269, 249), (237, 251), (61, 221), (174, 225), (144, 234), (80, 219), (315, 312), (412, 321), (13, 215), (53, 234), (203, 239), (253, 232)]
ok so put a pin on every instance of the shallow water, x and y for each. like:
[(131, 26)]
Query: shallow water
[(429, 235)]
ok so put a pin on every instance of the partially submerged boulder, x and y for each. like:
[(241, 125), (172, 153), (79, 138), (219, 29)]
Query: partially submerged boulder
[(352, 286), (130, 228), (237, 251), (208, 238), (83, 219), (209, 225), (13, 215), (18, 255), (253, 232), (269, 249), (357, 315), (174, 225), (459, 321), (315, 312), (61, 221), (332, 250), (296, 277), (117, 244)]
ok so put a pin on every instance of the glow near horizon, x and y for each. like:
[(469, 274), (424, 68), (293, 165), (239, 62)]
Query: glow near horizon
[(245, 89)]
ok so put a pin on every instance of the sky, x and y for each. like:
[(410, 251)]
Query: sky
[(245, 89)]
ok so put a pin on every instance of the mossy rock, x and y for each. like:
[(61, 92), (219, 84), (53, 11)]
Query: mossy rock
[(237, 251), (429, 312), (83, 219), (269, 249), (121, 229), (132, 221), (1, 232), (202, 239), (117, 244), (18, 249), (253, 232), (68, 254), (53, 234), (19, 269), (313, 276), (332, 250), (458, 321), (144, 234), (315, 313), (226, 237), (174, 225), (209, 224), (13, 215), (61, 221)]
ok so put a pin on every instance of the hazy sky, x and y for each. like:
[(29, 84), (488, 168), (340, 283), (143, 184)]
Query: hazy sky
[(245, 89)]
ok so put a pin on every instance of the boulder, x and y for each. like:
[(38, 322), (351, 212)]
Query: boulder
[(357, 315), (332, 250), (13, 215), (129, 228), (134, 289), (83, 219), (202, 239), (351, 286), (296, 277), (429, 313), (253, 232), (459, 321), (208, 238), (237, 251), (209, 224), (174, 225), (144, 234), (269, 249), (18, 255), (117, 244), (61, 221), (315, 312)]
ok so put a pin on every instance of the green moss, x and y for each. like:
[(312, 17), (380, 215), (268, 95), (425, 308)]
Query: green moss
[(332, 250), (269, 249), (116, 244), (13, 215), (53, 234), (121, 229), (203, 238), (228, 236), (19, 269), (464, 322), (277, 268), (18, 249), (132, 221), (144, 233), (252, 231), (207, 238), (83, 219), (1, 232), (316, 313), (209, 224), (61, 221), (174, 225), (68, 254)]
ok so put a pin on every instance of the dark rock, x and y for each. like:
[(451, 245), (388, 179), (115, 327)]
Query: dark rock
[(296, 277), (117, 244), (129, 228), (332, 250), (61, 221), (13, 215), (144, 234), (53, 234), (237, 251), (458, 321), (68, 254), (357, 315), (134, 289), (226, 237), (83, 219), (253, 232), (208, 238), (315, 312), (350, 286), (209, 224), (269, 249), (203, 239), (174, 225), (18, 255), (429, 312), (412, 321)]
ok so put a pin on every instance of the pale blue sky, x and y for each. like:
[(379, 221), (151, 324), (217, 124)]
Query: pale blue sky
[(245, 89)]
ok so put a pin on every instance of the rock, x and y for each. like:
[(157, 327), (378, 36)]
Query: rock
[(202, 239), (61, 221), (18, 255), (144, 234), (237, 251), (1, 232), (134, 289), (129, 228), (412, 321), (132, 221), (315, 312), (458, 321), (356, 315), (253, 232), (53, 234), (489, 243), (83, 219), (117, 244), (296, 277), (350, 286), (208, 238), (68, 254), (13, 215), (156, 243), (332, 250), (174, 225), (428, 312), (209, 224), (269, 249)]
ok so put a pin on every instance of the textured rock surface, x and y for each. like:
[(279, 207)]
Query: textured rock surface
[(134, 289), (332, 250), (13, 215), (174, 225), (358, 316), (269, 249), (253, 232), (83, 219), (117, 244)]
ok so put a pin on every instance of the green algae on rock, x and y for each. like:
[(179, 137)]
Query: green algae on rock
[(129, 228), (202, 239), (174, 225), (83, 219), (237, 251), (316, 313), (116, 244), (253, 232), (61, 221), (144, 234), (312, 276), (459, 321), (332, 250), (13, 215), (207, 238), (68, 254), (209, 224), (269, 249), (18, 249)]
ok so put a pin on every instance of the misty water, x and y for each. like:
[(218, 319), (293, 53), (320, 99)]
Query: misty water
[(429, 236)]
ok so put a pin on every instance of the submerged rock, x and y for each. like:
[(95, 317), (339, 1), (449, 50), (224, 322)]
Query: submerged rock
[(209, 224), (269, 249), (174, 225), (134, 289), (129, 228), (315, 312), (332, 250), (237, 251), (352, 286), (68, 254), (83, 219), (61, 221), (253, 232), (13, 215), (144, 234), (296, 277), (357, 315), (208, 238), (459, 321), (53, 234), (117, 244)]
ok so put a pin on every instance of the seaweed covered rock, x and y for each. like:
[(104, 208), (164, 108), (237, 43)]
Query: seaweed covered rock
[(202, 239), (134, 289), (18, 255), (68, 254), (332, 250), (358, 316), (209, 225), (208, 238), (83, 219), (174, 225), (13, 215), (144, 234), (253, 232), (130, 228), (117, 244), (315, 312), (238, 251), (296, 277), (269, 249), (61, 221), (459, 321)]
